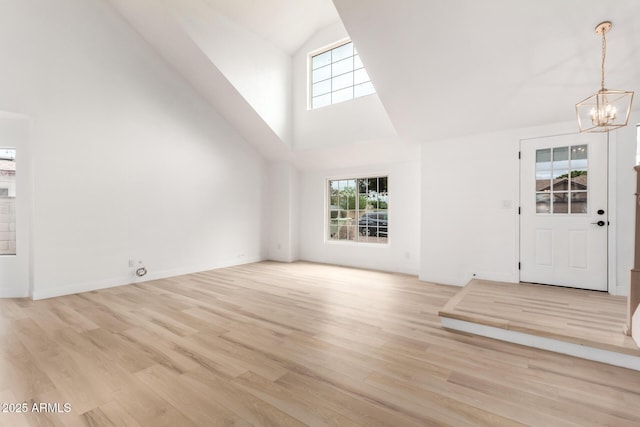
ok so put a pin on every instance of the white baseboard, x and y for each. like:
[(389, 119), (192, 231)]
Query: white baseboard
[(13, 293), (557, 346), (463, 280), (443, 280), (131, 279), (497, 277)]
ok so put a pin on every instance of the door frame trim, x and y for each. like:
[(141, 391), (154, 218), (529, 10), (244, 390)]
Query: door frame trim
[(611, 204), (612, 285)]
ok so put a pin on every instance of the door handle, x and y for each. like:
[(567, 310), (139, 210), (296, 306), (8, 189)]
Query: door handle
[(599, 223)]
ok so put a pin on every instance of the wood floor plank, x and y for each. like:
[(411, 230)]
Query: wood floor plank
[(86, 391), (164, 352), (298, 403), (358, 406), (20, 372), (96, 417), (243, 404), (239, 356), (300, 344), (120, 349), (114, 413), (147, 407), (190, 397)]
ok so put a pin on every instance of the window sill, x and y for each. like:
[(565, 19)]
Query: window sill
[(357, 244)]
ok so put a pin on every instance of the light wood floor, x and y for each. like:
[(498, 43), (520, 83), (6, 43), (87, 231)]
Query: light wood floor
[(287, 344), (591, 318)]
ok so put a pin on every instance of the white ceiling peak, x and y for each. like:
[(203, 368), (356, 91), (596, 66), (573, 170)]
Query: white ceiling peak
[(286, 24)]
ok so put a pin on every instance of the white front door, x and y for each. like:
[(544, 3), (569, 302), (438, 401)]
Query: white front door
[(564, 212)]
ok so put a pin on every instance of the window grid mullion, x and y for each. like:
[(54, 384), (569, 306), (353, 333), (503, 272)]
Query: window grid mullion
[(332, 87), (352, 222)]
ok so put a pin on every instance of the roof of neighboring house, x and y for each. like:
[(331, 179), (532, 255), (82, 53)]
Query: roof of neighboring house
[(580, 183)]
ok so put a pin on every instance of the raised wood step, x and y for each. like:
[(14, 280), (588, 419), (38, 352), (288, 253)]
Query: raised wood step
[(548, 317)]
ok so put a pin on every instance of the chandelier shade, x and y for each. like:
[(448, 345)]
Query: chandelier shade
[(604, 111), (607, 109)]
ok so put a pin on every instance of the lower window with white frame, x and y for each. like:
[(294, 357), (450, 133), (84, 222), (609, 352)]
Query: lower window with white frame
[(358, 210)]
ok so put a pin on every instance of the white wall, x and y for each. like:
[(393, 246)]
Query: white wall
[(401, 254), (467, 228), (128, 162), (361, 119), (256, 68), (282, 199)]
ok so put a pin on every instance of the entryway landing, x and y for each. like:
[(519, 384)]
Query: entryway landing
[(581, 323)]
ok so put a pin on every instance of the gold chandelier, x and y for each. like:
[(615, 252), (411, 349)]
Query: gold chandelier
[(607, 109)]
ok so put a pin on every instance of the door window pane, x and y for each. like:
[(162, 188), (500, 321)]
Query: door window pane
[(579, 202), (560, 154), (561, 172), (579, 152), (543, 164), (543, 156), (560, 203), (543, 185), (579, 181), (543, 203)]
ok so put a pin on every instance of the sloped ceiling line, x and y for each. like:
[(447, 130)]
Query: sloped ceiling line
[(448, 68)]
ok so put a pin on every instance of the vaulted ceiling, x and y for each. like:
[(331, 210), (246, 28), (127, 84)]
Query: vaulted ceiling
[(442, 68), (446, 68), (286, 24)]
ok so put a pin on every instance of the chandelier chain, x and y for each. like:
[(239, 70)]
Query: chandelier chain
[(604, 53)]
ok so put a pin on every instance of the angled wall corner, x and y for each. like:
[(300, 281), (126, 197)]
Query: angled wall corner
[(221, 64), (358, 120), (259, 71), (281, 198)]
